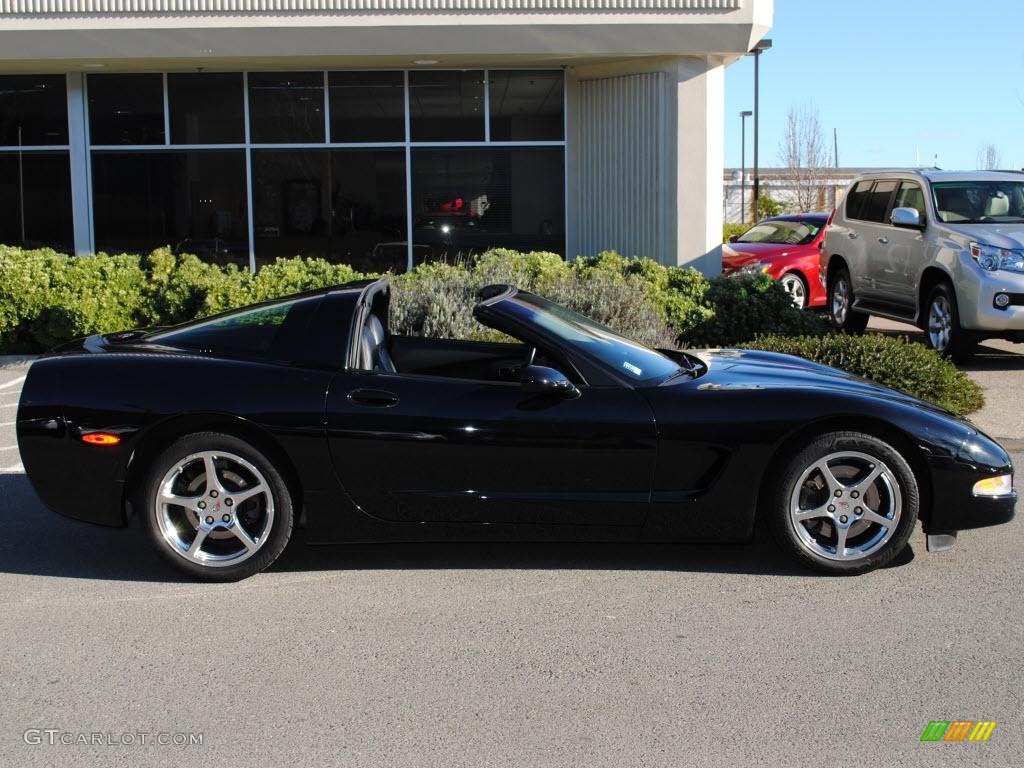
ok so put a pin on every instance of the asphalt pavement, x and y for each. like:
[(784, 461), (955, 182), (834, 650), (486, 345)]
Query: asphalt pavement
[(497, 655)]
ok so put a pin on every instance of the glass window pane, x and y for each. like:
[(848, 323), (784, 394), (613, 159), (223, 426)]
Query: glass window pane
[(345, 205), (206, 108), (192, 201), (126, 109), (877, 202), (38, 105), (468, 200), (35, 200), (527, 105), (367, 106), (286, 107), (446, 106)]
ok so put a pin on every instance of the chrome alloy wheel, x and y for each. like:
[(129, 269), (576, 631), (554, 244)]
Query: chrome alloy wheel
[(840, 300), (940, 323), (795, 288), (845, 506), (214, 508)]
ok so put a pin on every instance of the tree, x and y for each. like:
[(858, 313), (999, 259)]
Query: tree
[(989, 158), (804, 153)]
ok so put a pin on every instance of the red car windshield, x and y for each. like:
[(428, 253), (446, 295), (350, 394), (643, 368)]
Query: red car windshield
[(783, 232)]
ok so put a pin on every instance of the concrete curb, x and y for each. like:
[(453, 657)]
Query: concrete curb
[(16, 361)]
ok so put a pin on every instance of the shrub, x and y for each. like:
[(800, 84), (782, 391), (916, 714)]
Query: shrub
[(744, 308), (892, 361), (728, 230)]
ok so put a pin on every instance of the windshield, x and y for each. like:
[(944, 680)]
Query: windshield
[(782, 232), (979, 202), (635, 361)]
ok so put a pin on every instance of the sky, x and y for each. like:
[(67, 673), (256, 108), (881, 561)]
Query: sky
[(898, 80)]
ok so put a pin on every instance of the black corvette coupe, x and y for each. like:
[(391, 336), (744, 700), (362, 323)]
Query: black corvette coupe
[(223, 433)]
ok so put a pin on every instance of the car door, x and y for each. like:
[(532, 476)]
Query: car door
[(877, 237), (902, 262), (430, 449)]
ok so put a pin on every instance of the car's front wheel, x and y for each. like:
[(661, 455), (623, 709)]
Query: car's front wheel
[(844, 505), (840, 302), (796, 287), (216, 508), (942, 325)]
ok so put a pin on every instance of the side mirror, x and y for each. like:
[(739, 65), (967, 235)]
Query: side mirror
[(734, 238), (540, 380), (906, 217)]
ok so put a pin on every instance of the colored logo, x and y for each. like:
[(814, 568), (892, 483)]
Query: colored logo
[(958, 730)]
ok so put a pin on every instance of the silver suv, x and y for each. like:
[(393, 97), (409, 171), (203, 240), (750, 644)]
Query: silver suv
[(942, 250)]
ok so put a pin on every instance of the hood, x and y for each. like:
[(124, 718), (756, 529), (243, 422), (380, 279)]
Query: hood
[(1009, 235), (754, 369)]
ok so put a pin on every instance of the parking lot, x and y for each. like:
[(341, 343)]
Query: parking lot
[(481, 655)]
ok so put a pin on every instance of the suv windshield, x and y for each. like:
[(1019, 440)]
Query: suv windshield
[(782, 232), (979, 202)]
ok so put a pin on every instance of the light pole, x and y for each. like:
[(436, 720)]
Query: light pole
[(743, 165), (762, 45)]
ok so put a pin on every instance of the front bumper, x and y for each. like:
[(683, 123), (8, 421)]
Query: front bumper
[(976, 293), (954, 505)]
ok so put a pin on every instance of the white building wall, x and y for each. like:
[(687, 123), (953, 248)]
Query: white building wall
[(645, 160)]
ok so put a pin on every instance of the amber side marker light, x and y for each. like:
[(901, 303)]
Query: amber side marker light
[(100, 438)]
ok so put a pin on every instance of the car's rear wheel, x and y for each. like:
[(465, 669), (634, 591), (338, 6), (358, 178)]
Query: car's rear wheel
[(942, 325), (796, 287), (840, 302), (216, 508), (844, 505)]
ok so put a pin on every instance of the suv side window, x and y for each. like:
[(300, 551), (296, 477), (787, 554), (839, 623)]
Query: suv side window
[(910, 196), (856, 197), (877, 203)]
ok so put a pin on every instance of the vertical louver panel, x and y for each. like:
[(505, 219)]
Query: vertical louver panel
[(619, 173)]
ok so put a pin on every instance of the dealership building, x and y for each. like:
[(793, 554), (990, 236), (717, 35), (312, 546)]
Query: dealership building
[(380, 133)]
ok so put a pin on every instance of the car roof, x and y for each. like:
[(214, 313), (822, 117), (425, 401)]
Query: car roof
[(938, 175)]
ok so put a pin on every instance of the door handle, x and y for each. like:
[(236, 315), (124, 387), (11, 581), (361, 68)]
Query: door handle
[(377, 398), (883, 240), (852, 235)]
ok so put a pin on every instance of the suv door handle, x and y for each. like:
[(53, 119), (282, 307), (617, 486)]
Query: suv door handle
[(883, 240), (852, 235), (377, 398)]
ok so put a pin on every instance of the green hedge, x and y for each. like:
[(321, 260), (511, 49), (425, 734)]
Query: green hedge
[(894, 362), (47, 298)]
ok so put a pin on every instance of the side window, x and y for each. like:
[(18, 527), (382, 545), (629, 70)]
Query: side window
[(910, 196), (855, 199), (877, 203)]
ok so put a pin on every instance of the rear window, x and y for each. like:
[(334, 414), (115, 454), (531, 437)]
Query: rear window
[(877, 202), (856, 197), (265, 331)]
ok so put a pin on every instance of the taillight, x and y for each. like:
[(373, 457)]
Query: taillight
[(100, 438)]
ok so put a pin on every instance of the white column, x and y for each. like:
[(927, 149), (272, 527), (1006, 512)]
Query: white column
[(81, 183), (646, 149), (699, 158)]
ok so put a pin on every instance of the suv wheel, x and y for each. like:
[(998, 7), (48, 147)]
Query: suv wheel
[(942, 325), (840, 302)]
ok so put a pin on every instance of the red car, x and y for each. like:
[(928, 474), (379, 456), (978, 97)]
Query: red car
[(785, 247)]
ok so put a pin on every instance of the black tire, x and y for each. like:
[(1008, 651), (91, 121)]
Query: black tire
[(941, 324), (840, 304), (840, 508), (238, 539)]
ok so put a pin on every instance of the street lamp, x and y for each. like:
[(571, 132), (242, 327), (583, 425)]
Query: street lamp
[(762, 45), (743, 165)]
